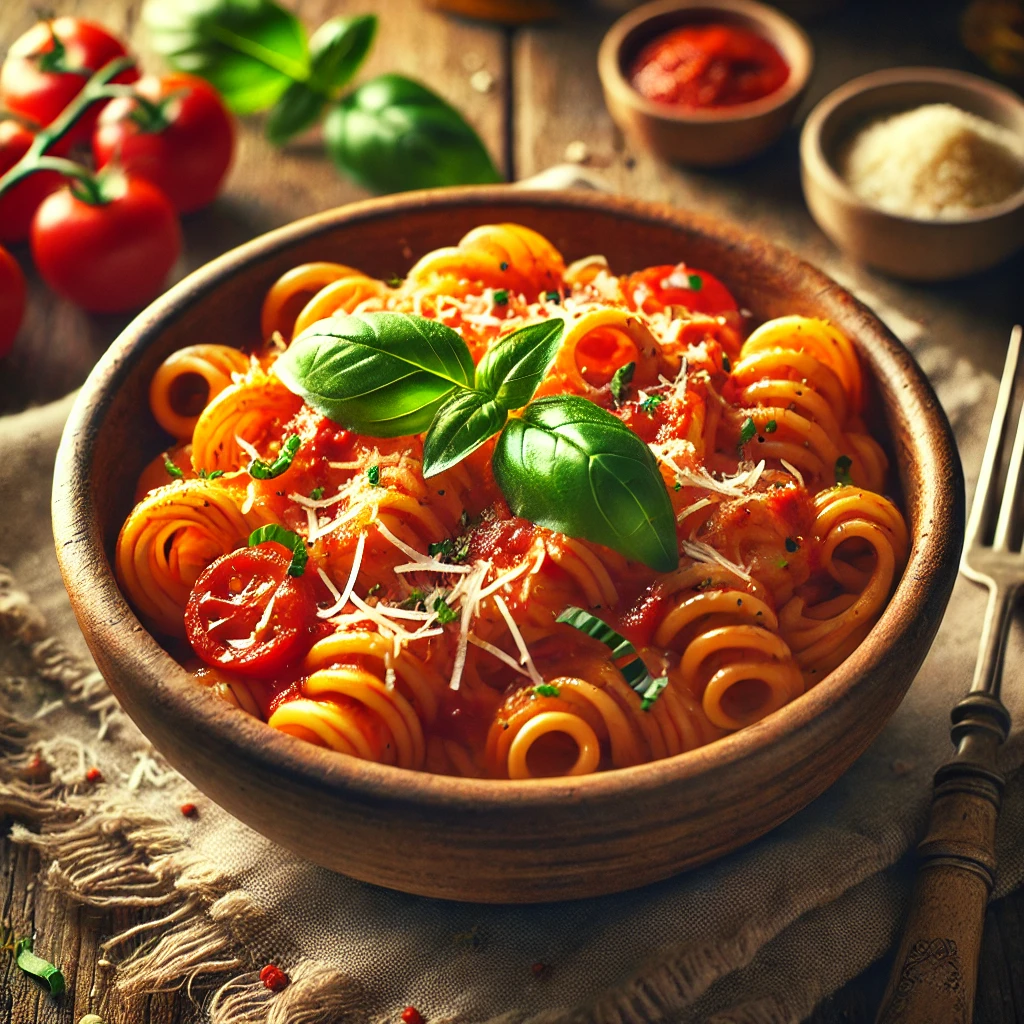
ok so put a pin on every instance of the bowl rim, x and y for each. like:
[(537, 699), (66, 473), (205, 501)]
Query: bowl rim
[(815, 162), (82, 554), (610, 66)]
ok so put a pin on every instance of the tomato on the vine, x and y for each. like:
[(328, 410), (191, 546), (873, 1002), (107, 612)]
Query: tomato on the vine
[(179, 136), (12, 300), (18, 206), (248, 615), (655, 288), (108, 252), (47, 67)]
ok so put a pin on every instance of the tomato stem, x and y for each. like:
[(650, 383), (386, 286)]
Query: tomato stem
[(34, 159)]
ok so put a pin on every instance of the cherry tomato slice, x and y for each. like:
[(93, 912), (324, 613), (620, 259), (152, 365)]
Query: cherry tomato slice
[(653, 289), (248, 615)]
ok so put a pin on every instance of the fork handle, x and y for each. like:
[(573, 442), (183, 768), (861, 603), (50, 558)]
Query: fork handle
[(936, 967)]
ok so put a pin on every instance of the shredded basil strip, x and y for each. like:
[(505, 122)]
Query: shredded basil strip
[(445, 612), (634, 671), (292, 541), (49, 974), (546, 690), (843, 464), (172, 469), (260, 470), (620, 382), (748, 430)]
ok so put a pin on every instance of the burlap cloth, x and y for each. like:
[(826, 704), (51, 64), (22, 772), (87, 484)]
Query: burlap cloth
[(761, 936)]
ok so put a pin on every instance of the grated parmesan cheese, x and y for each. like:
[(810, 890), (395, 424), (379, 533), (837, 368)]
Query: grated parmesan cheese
[(934, 162)]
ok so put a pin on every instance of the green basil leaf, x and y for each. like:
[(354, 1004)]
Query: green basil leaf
[(337, 49), (298, 109), (249, 50), (573, 467), (393, 134), (461, 425), (513, 368), (379, 374)]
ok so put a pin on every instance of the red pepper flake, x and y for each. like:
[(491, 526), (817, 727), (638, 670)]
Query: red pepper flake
[(94, 775), (410, 1015), (274, 978), (538, 969), (189, 810)]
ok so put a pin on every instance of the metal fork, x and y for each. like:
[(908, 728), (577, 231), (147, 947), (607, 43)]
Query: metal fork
[(936, 967)]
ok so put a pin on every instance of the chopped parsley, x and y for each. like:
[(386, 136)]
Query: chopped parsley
[(204, 475), (414, 600), (260, 470), (375, 589), (445, 612), (394, 281), (781, 563), (770, 427), (287, 539), (552, 297), (620, 382), (747, 431), (791, 545), (648, 403), (373, 475), (501, 297), (653, 692), (695, 281), (546, 690), (843, 464), (449, 550), (317, 493), (678, 486), (504, 265), (172, 469)]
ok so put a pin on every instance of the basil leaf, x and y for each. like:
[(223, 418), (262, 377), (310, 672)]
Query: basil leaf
[(393, 134), (379, 374), (298, 109), (250, 51), (573, 467), (286, 538), (513, 368), (461, 425), (337, 49)]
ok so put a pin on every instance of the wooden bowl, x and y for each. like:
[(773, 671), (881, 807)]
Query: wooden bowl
[(468, 839), (907, 247), (702, 138)]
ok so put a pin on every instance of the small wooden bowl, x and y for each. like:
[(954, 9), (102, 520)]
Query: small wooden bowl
[(702, 138), (907, 247), (469, 839)]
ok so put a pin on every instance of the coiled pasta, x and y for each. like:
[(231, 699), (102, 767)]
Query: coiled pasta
[(419, 623)]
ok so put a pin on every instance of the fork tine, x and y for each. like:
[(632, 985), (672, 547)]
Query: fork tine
[(1007, 508), (990, 461)]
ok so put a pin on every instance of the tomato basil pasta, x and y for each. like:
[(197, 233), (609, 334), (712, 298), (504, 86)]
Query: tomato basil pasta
[(509, 518)]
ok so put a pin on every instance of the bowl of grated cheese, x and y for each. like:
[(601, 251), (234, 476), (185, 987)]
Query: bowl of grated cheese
[(918, 172)]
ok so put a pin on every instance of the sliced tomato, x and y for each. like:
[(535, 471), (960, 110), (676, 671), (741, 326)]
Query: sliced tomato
[(246, 614), (653, 289)]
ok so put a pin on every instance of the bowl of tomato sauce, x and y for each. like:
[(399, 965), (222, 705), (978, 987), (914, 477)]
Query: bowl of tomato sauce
[(704, 82)]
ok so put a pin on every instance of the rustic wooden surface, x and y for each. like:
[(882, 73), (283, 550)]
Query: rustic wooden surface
[(545, 95)]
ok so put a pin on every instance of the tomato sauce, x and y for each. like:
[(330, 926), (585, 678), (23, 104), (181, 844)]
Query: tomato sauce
[(704, 67)]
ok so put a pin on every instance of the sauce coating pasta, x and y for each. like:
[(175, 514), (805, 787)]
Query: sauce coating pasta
[(413, 620)]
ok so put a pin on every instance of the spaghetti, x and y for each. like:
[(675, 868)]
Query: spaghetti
[(422, 631)]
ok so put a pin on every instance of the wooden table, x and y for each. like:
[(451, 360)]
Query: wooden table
[(544, 94)]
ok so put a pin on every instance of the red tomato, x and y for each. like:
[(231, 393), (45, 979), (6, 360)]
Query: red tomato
[(231, 601), (674, 286), (107, 257), (185, 149), (18, 206), (12, 300), (38, 82)]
